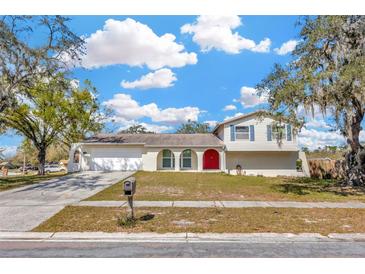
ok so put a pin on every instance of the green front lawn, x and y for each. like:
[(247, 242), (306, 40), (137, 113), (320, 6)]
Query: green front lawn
[(215, 220), (10, 182), (219, 186)]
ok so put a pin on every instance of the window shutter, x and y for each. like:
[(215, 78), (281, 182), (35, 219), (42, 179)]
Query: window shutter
[(232, 133), (252, 133), (288, 133), (269, 133)]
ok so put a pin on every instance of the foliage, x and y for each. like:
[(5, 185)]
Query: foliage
[(327, 74), (54, 112), (56, 151), (25, 60), (126, 221), (83, 114), (193, 127), (136, 129)]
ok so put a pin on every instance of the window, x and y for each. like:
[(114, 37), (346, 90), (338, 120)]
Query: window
[(243, 133), (186, 159), (168, 160), (278, 132)]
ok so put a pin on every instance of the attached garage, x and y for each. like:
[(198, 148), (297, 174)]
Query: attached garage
[(109, 158)]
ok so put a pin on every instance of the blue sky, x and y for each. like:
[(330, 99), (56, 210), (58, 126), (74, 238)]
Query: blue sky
[(177, 68)]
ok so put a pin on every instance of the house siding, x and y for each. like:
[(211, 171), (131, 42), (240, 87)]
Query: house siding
[(258, 155), (260, 142), (272, 163)]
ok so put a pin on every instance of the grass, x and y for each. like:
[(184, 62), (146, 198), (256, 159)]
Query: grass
[(335, 155), (215, 220), (11, 182), (219, 186)]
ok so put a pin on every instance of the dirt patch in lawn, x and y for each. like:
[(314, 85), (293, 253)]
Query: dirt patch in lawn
[(218, 220)]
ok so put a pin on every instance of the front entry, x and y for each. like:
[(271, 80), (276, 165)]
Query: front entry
[(211, 159)]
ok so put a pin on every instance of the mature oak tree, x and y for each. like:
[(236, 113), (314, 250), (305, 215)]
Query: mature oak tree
[(33, 48), (327, 74), (54, 111)]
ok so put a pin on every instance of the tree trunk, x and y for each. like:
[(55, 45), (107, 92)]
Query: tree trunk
[(41, 160), (355, 157)]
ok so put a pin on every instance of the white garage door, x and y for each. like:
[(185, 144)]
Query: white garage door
[(115, 159)]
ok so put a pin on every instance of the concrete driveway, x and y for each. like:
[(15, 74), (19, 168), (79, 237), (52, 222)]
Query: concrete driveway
[(24, 208)]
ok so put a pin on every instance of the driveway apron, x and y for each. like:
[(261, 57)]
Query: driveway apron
[(24, 208)]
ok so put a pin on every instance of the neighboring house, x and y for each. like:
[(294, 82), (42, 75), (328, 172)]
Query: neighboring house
[(247, 144)]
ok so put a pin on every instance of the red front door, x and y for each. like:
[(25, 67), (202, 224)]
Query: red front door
[(211, 159)]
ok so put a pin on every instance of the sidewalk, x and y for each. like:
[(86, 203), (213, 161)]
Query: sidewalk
[(228, 204), (178, 237)]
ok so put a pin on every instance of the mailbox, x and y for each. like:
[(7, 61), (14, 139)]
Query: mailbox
[(129, 186)]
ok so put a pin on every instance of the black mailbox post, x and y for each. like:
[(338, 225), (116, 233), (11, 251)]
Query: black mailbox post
[(129, 188)]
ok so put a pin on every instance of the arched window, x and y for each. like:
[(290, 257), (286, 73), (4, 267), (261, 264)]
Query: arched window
[(186, 159), (77, 157), (168, 159)]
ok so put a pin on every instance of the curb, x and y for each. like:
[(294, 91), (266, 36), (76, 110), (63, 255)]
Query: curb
[(180, 237)]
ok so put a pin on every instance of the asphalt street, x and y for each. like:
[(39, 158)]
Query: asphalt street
[(285, 249)]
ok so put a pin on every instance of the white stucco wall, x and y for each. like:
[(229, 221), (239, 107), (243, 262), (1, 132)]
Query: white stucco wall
[(269, 163), (120, 157), (152, 158), (110, 157)]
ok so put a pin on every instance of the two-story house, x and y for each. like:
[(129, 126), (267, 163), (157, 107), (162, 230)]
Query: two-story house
[(247, 144)]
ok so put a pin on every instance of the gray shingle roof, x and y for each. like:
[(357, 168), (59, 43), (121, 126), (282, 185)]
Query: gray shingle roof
[(160, 140)]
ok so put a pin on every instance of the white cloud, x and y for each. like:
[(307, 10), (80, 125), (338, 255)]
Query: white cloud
[(250, 98), (229, 107), (135, 44), (9, 151), (314, 139), (317, 123), (126, 108), (156, 128), (216, 32), (162, 78), (211, 123), (150, 127), (263, 46), (75, 83), (286, 47), (237, 114)]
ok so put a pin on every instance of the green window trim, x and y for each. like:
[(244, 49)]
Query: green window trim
[(186, 159)]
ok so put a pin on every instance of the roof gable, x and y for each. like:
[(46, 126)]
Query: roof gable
[(239, 117)]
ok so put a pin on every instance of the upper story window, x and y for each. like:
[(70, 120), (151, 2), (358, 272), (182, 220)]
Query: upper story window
[(242, 133), (278, 132)]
